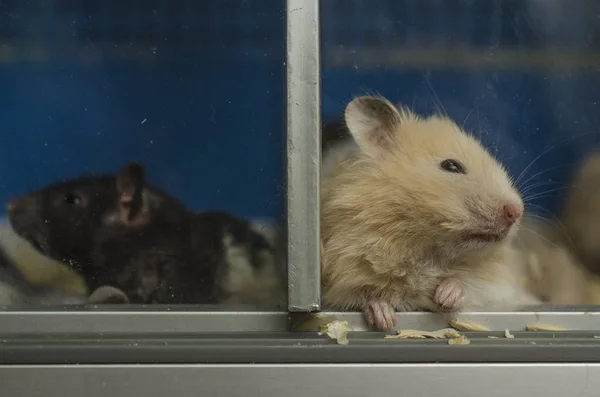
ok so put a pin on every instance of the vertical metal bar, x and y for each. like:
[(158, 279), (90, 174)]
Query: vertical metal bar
[(303, 154)]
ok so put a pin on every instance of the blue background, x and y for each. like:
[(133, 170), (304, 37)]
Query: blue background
[(195, 89)]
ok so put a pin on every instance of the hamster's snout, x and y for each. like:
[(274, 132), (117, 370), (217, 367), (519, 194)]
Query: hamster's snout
[(496, 225), (23, 213), (11, 205), (17, 207), (511, 213), (17, 204)]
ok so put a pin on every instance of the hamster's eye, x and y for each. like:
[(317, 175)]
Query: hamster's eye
[(73, 198), (453, 166)]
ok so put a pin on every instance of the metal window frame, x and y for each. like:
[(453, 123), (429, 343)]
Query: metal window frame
[(303, 175), (303, 154), (467, 380)]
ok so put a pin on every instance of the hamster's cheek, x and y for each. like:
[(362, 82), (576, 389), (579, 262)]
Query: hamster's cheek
[(457, 220), (453, 205)]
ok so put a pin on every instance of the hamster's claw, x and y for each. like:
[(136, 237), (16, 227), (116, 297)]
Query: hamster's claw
[(381, 314), (449, 294)]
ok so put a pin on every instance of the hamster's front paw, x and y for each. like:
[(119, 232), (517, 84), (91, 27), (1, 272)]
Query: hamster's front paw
[(381, 314), (449, 294)]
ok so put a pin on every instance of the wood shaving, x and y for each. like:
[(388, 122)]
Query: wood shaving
[(454, 337), (461, 340), (596, 337), (337, 330), (544, 327), (508, 335), (493, 337), (467, 325), (418, 334)]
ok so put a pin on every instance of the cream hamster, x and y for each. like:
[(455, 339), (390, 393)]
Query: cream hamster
[(418, 216), (581, 212), (553, 272)]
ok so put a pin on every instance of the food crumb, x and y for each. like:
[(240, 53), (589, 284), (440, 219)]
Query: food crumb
[(467, 325), (454, 337), (461, 340), (508, 335), (544, 327), (337, 330), (418, 334)]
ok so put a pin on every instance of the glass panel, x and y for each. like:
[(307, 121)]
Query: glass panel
[(417, 216), (143, 150)]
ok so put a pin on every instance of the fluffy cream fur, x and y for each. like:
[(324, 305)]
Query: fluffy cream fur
[(394, 224)]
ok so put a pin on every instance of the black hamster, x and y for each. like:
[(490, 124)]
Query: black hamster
[(118, 230), (211, 258), (62, 219)]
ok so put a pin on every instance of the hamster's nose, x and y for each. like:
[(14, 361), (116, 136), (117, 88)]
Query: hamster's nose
[(19, 204), (11, 205), (511, 213)]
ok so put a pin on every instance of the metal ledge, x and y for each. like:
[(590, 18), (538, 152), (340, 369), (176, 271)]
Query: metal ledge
[(109, 320), (297, 348), (472, 380), (140, 320)]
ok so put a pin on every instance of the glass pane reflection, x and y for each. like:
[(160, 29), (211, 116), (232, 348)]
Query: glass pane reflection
[(521, 77), (119, 119)]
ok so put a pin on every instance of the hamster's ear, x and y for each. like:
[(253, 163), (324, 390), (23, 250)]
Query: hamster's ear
[(132, 205), (372, 122)]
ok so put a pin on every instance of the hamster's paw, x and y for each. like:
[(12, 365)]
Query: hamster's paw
[(381, 314), (449, 294), (108, 295)]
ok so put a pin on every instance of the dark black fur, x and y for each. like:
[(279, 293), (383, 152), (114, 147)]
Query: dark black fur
[(61, 219), (167, 254), (165, 265)]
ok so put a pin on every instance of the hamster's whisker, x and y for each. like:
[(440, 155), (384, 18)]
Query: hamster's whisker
[(539, 156), (467, 118), (562, 141), (546, 170), (545, 193), (437, 98), (554, 221), (539, 235), (538, 184)]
